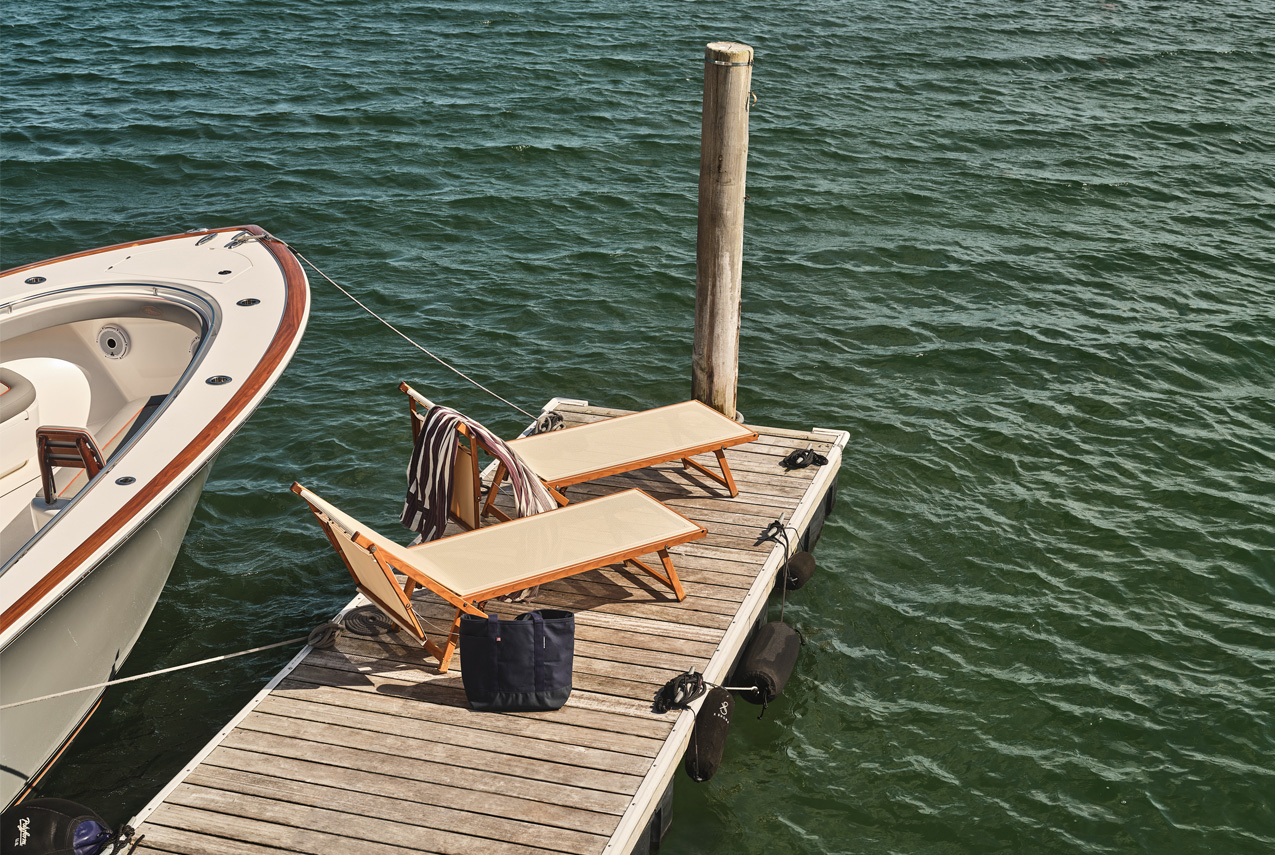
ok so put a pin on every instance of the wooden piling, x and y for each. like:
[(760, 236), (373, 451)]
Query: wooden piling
[(728, 74)]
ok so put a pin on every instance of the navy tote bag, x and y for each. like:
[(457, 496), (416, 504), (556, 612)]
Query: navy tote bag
[(517, 665)]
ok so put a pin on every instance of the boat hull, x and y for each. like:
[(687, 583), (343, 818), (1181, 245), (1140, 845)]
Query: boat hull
[(89, 632)]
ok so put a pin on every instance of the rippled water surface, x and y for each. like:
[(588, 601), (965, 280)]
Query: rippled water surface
[(1021, 252)]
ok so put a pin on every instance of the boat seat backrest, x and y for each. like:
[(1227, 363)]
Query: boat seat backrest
[(17, 394), (19, 416)]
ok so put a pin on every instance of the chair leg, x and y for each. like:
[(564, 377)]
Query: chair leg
[(490, 505), (444, 654), (725, 479), (730, 479), (669, 577)]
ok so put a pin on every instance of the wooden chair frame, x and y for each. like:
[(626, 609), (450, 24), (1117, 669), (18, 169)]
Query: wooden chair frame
[(472, 603), (556, 487)]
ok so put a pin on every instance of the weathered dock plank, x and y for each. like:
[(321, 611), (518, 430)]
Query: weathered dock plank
[(365, 748), (284, 773)]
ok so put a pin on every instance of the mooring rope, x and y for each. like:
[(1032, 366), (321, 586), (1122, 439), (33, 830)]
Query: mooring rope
[(408, 338), (155, 673), (776, 530)]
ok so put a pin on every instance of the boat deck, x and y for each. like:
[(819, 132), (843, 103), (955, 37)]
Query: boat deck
[(363, 748)]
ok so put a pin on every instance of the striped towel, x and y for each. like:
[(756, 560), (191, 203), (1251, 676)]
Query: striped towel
[(433, 463)]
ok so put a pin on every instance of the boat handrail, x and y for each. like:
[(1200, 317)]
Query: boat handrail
[(70, 447)]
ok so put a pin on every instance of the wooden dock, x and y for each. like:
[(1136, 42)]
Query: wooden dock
[(363, 748)]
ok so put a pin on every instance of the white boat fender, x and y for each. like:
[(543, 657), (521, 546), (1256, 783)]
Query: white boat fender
[(58, 827), (798, 570), (708, 737), (768, 662)]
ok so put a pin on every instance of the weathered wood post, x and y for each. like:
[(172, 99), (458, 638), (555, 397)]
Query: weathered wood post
[(719, 246)]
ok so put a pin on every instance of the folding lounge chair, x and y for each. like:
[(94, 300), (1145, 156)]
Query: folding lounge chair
[(622, 444), (469, 568)]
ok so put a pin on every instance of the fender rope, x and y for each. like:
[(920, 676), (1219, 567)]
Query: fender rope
[(773, 533), (679, 692)]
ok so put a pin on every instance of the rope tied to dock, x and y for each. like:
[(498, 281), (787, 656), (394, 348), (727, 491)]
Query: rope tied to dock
[(119, 682), (365, 621), (773, 533), (324, 635), (125, 838), (679, 692)]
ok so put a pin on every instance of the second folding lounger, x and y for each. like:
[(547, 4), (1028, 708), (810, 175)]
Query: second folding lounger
[(625, 443)]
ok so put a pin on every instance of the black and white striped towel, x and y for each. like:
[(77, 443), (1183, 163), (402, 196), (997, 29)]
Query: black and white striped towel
[(433, 462)]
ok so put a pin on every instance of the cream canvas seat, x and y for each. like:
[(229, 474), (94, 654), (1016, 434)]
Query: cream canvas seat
[(469, 568), (583, 453)]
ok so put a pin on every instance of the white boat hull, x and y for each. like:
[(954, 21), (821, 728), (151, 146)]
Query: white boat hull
[(123, 372), (90, 631)]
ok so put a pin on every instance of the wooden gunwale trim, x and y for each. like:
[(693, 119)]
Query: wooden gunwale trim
[(125, 245), (290, 324), (34, 780)]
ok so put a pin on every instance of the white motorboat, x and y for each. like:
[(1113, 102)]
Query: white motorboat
[(123, 372)]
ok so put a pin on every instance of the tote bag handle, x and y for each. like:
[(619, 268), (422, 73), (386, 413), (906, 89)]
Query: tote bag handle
[(539, 645)]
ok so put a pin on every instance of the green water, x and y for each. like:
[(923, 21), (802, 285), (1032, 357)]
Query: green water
[(1021, 252)]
